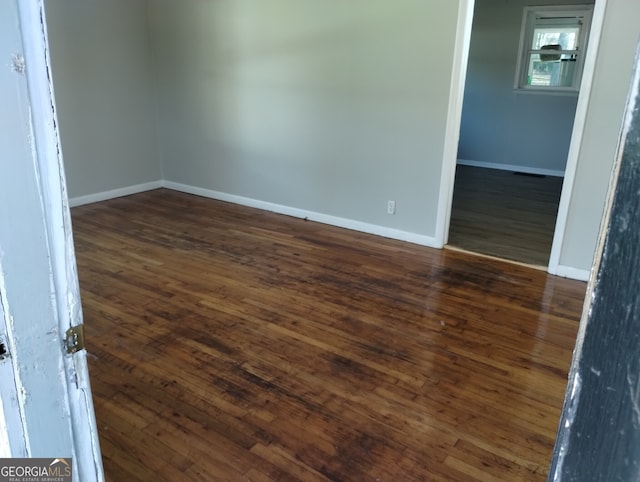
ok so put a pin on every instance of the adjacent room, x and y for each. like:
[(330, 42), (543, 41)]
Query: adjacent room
[(517, 121), (259, 191)]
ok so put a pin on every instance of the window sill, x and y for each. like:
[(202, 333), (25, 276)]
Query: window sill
[(570, 93)]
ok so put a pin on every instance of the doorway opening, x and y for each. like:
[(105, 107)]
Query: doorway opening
[(518, 143)]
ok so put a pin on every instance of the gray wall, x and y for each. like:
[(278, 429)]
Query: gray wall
[(499, 124), (325, 106), (103, 87), (604, 119), (328, 106)]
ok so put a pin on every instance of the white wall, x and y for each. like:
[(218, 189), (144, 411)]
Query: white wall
[(103, 87), (611, 83), (329, 106), (499, 124)]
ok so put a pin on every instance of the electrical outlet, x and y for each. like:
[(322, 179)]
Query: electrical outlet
[(391, 207)]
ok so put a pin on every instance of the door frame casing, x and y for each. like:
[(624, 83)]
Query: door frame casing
[(454, 118), (38, 278), (452, 135), (88, 462), (555, 268)]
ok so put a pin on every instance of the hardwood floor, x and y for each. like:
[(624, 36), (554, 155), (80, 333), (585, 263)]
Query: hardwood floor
[(227, 343), (500, 213)]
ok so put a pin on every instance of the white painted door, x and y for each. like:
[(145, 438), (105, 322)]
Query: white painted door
[(47, 409)]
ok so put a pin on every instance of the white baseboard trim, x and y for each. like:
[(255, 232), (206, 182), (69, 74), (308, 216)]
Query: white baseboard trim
[(511, 167), (572, 273), (304, 214), (420, 239), (114, 193)]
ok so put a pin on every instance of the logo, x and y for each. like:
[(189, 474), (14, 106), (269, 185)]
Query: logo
[(35, 470)]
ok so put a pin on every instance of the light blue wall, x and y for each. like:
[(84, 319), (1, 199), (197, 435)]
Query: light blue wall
[(500, 125)]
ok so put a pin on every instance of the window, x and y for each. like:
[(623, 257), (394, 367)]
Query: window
[(552, 48)]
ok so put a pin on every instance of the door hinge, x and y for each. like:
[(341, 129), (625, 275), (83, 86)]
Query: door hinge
[(74, 340)]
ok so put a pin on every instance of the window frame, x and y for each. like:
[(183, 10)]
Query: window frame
[(529, 24)]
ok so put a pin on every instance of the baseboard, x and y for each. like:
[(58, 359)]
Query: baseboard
[(114, 193), (310, 215), (420, 239), (511, 167), (572, 273)]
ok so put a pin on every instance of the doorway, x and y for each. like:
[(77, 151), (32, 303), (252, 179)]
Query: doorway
[(509, 174)]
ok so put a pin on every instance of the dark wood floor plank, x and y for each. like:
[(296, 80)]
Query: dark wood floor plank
[(504, 214), (228, 343)]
